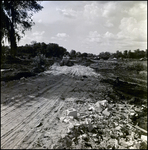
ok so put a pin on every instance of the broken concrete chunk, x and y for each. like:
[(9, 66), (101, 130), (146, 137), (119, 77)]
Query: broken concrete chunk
[(106, 112), (62, 118), (66, 120), (126, 143), (144, 138), (98, 107), (90, 127), (71, 112), (85, 137), (118, 128), (103, 102), (94, 135), (91, 108), (70, 127), (112, 143)]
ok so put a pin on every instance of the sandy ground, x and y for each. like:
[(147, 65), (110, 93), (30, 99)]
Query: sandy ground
[(31, 108)]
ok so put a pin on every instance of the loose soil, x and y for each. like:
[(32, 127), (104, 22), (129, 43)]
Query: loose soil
[(32, 108)]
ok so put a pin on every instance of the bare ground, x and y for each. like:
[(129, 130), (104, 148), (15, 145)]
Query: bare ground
[(31, 108)]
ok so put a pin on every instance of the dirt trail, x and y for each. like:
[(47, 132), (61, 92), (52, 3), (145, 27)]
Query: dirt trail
[(31, 109)]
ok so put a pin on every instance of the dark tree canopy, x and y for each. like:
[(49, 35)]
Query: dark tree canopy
[(16, 18)]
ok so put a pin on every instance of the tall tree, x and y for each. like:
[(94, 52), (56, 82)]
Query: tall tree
[(16, 18)]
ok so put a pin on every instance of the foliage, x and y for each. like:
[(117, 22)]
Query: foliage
[(16, 17), (137, 66), (39, 63), (104, 55), (72, 53), (84, 55), (49, 50)]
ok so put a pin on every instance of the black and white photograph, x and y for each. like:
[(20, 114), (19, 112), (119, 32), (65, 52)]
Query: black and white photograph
[(73, 74)]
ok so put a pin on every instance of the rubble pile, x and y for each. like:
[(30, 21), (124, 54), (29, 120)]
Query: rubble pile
[(102, 125), (76, 70)]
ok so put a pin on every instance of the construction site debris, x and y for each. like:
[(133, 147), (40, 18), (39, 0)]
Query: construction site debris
[(71, 112)]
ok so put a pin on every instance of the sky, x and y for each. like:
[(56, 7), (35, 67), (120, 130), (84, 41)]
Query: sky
[(91, 26)]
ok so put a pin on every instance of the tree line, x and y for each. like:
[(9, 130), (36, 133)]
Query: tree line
[(136, 54), (54, 50), (16, 18)]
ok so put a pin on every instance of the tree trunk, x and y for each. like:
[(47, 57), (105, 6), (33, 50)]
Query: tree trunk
[(12, 33), (13, 41)]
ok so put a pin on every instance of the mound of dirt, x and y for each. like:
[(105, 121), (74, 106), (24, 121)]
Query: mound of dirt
[(76, 70)]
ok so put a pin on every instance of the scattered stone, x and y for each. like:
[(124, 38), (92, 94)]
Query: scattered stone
[(62, 118), (85, 137), (91, 108), (47, 134), (98, 107), (144, 138), (88, 144), (66, 120), (72, 112), (39, 124), (112, 143), (106, 112), (126, 143), (118, 128), (94, 135), (70, 127)]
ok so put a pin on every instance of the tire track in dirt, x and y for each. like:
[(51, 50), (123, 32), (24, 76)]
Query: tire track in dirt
[(27, 99), (51, 119), (8, 138), (29, 120), (37, 121), (25, 124), (10, 122)]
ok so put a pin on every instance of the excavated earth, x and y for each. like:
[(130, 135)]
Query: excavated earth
[(33, 114)]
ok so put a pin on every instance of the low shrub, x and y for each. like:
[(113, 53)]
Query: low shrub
[(39, 63), (136, 66)]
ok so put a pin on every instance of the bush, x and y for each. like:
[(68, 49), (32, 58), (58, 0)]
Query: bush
[(39, 63), (137, 66)]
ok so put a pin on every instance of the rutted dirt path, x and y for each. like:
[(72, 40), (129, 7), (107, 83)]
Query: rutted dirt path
[(31, 109)]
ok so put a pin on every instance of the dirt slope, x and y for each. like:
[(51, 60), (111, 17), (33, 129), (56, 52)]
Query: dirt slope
[(31, 108)]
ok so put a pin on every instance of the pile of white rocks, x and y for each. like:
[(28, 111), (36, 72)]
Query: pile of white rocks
[(103, 126)]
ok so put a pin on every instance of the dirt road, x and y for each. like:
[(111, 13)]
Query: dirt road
[(32, 108)]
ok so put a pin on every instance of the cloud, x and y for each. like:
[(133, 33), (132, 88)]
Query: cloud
[(109, 9), (108, 24), (37, 36), (38, 33), (39, 21), (93, 36), (60, 36), (104, 25), (109, 35), (70, 13), (132, 30), (137, 11), (91, 11)]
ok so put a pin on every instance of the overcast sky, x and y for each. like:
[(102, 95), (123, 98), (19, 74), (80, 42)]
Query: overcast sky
[(91, 26)]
